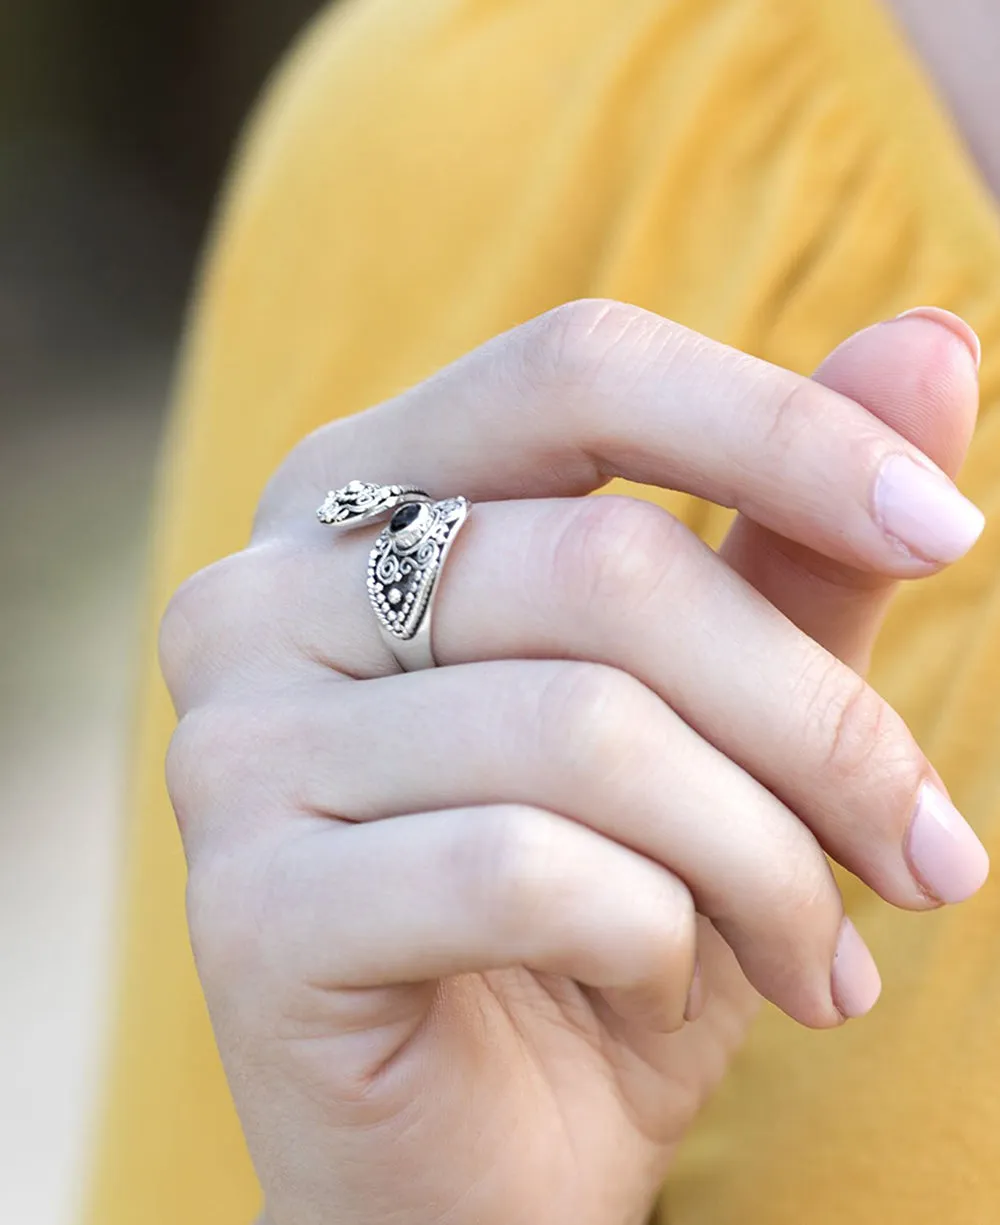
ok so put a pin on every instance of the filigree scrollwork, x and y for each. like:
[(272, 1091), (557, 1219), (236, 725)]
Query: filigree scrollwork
[(358, 501), (405, 559)]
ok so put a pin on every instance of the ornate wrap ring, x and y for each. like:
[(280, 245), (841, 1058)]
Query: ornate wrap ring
[(405, 560)]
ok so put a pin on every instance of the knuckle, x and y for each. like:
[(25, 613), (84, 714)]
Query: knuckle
[(854, 730), (615, 551), (805, 893), (209, 597), (225, 613), (572, 344), (514, 865), (593, 718), (234, 764), (844, 716), (668, 941), (178, 624), (794, 412), (865, 744), (189, 749), (655, 959), (212, 746)]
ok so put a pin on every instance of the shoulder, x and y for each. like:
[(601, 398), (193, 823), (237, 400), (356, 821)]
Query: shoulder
[(572, 147)]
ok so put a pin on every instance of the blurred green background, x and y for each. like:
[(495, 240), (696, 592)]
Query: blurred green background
[(116, 120)]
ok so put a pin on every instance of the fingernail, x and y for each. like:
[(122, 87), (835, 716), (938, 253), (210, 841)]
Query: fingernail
[(944, 853), (855, 981), (954, 323), (696, 995), (922, 510)]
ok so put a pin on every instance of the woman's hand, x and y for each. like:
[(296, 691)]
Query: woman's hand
[(478, 940)]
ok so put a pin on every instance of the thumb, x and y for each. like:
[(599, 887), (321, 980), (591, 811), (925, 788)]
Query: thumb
[(919, 374)]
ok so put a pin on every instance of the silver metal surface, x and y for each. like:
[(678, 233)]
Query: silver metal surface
[(405, 561), (359, 501)]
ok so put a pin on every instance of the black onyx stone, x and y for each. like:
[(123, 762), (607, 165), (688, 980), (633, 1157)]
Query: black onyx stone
[(404, 516)]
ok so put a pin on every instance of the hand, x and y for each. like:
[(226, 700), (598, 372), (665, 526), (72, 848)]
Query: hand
[(478, 941)]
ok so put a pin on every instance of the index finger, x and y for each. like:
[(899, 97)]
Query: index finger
[(594, 390)]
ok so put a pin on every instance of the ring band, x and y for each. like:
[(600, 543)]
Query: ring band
[(405, 560)]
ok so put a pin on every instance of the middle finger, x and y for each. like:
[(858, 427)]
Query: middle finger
[(620, 581)]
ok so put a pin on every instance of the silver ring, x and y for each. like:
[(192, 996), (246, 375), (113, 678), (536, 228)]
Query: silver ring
[(405, 560)]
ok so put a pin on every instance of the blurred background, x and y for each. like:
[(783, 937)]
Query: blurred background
[(116, 121)]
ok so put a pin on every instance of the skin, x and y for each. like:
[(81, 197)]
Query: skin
[(478, 932), (440, 993)]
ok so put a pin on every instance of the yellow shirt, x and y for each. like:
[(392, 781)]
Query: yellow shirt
[(426, 173)]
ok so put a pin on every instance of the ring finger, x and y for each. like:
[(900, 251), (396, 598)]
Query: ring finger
[(621, 582)]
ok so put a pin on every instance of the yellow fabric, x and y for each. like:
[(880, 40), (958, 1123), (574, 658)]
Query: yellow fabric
[(775, 173)]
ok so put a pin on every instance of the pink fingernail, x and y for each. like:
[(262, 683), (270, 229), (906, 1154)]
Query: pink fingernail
[(921, 509), (855, 981), (944, 853), (954, 323)]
